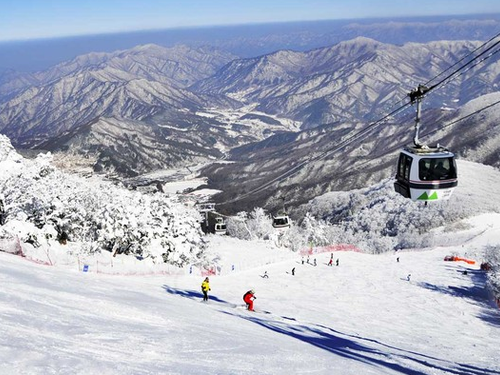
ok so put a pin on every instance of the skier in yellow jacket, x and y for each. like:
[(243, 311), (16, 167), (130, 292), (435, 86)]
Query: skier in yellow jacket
[(205, 287)]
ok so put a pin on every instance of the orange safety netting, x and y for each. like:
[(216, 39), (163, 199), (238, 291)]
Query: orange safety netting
[(459, 259)]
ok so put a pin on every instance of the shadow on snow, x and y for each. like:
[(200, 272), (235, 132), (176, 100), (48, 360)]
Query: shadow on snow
[(369, 351), (194, 295), (477, 293)]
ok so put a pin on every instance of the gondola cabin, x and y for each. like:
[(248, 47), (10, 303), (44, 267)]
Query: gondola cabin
[(281, 221), (220, 226), (213, 222), (426, 173)]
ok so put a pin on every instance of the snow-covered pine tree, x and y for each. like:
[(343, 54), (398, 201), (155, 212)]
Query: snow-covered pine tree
[(98, 214)]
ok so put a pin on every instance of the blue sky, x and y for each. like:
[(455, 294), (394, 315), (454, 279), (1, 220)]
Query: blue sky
[(32, 19)]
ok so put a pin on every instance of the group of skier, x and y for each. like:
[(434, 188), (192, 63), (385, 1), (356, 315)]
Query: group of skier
[(248, 297), (330, 263)]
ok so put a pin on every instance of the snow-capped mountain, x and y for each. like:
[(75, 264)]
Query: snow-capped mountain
[(43, 112), (127, 147), (356, 80), (144, 86), (129, 84), (191, 117), (178, 66)]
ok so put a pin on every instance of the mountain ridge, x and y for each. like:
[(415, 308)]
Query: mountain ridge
[(339, 88), (354, 80)]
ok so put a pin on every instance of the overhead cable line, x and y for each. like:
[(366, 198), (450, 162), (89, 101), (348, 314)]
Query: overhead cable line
[(461, 119), (290, 172), (458, 62), (456, 71), (462, 59), (480, 61), (398, 146)]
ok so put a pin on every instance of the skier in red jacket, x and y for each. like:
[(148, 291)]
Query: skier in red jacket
[(249, 297)]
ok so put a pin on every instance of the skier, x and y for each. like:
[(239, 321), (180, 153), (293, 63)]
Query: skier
[(265, 276), (249, 297), (408, 277), (330, 263), (293, 271), (337, 262), (205, 287)]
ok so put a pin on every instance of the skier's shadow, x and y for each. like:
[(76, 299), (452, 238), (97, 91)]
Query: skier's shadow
[(192, 294)]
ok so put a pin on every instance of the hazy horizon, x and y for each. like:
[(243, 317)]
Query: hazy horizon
[(39, 54), (32, 19)]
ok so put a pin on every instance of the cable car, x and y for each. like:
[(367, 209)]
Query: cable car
[(281, 221), (213, 222), (426, 173), (220, 226)]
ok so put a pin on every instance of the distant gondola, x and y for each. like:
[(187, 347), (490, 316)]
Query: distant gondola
[(281, 221), (211, 221), (220, 226)]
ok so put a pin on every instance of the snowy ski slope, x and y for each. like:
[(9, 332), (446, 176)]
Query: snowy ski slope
[(362, 317)]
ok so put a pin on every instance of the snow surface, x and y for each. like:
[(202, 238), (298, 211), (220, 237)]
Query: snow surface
[(362, 317)]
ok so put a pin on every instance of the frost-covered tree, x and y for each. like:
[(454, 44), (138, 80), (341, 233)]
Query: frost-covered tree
[(492, 257), (237, 226), (315, 230), (260, 224), (376, 219), (255, 225), (96, 213)]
